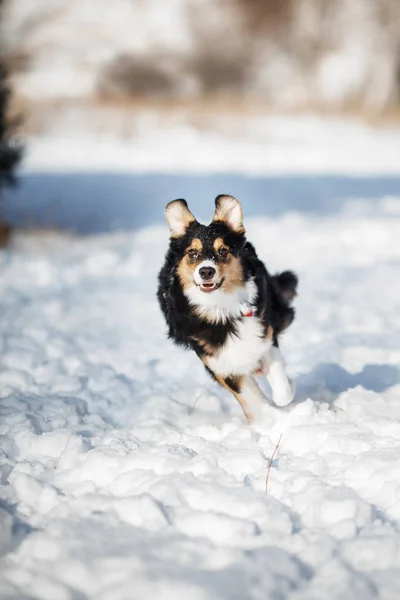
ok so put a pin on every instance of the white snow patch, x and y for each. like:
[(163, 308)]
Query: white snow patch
[(123, 467), (245, 144)]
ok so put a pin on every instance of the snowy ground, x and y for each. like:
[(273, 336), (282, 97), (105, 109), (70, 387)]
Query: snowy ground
[(93, 172), (147, 140), (127, 474)]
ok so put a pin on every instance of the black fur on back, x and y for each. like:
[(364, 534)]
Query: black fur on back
[(185, 327)]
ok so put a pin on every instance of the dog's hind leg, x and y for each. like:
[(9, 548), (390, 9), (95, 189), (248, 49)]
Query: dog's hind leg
[(282, 388), (247, 392)]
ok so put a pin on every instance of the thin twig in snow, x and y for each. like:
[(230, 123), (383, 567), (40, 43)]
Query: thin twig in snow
[(191, 409), (271, 461)]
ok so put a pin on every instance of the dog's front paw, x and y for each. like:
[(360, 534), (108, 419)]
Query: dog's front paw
[(284, 395)]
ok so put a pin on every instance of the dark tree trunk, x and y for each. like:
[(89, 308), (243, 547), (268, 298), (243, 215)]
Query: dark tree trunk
[(10, 152)]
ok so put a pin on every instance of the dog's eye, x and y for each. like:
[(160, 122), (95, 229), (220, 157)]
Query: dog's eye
[(223, 252), (193, 253)]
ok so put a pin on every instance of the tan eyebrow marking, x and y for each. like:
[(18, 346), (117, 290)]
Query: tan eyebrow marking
[(196, 245), (219, 243)]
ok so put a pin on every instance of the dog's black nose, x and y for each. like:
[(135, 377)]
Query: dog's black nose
[(207, 273)]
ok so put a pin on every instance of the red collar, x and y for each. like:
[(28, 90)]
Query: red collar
[(247, 311)]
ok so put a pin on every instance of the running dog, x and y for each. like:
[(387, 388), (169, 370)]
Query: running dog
[(219, 300)]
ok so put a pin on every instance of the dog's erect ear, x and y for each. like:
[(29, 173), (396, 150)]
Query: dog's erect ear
[(229, 211), (179, 217)]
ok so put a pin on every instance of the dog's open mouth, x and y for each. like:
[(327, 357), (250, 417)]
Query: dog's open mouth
[(208, 287), (211, 286)]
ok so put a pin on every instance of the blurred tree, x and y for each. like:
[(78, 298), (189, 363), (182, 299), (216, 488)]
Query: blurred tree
[(272, 16), (10, 150)]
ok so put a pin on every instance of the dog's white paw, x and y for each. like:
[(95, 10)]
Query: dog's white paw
[(284, 395)]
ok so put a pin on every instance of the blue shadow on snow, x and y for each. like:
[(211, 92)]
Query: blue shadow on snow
[(98, 202)]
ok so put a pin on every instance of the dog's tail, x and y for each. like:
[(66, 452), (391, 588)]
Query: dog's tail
[(286, 285)]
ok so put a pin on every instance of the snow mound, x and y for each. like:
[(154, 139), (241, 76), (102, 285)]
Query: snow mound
[(126, 473)]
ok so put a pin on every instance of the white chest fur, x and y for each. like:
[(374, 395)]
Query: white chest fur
[(242, 352)]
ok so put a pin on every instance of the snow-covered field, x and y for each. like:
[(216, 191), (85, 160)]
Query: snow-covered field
[(94, 172), (127, 474), (228, 142)]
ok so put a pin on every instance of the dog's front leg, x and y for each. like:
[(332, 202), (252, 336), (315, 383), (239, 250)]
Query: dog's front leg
[(246, 391), (282, 388)]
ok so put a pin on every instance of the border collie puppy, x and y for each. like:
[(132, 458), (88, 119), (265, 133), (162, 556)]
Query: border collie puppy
[(219, 300)]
